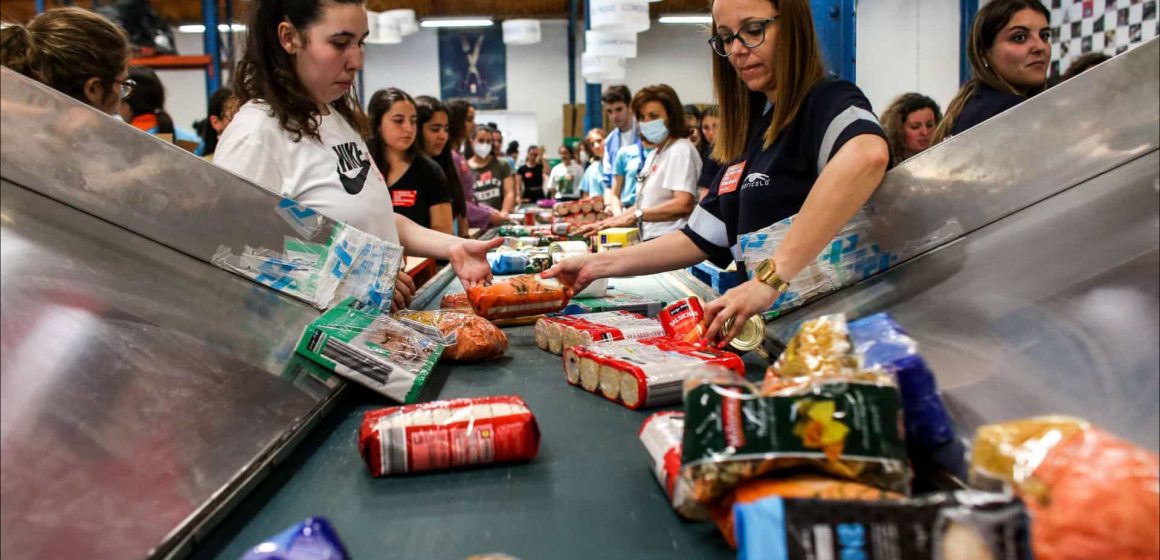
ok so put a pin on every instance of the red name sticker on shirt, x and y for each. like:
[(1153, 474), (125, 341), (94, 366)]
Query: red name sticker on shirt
[(731, 179), (485, 176), (529, 175), (404, 199)]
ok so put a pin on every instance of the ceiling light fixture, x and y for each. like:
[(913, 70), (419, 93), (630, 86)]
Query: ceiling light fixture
[(457, 22), (223, 27)]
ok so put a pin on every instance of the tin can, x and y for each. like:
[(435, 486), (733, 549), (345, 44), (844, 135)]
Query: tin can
[(568, 247), (530, 218), (560, 228), (684, 320), (751, 336)]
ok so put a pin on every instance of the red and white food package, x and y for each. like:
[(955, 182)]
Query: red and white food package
[(642, 373), (555, 334), (448, 434), (661, 435)]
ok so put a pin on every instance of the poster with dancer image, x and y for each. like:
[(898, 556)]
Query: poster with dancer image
[(473, 67)]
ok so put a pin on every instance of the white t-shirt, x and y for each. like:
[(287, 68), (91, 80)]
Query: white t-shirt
[(336, 177), (673, 169), (564, 180)]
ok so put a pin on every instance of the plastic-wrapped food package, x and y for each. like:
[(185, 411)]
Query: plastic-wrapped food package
[(457, 302), (963, 525), (350, 264), (616, 301), (661, 436), (313, 539), (846, 427), (1090, 494), (555, 334), (643, 373), (851, 256), (365, 345), (448, 434), (521, 296), (507, 262), (466, 337), (802, 486), (821, 347)]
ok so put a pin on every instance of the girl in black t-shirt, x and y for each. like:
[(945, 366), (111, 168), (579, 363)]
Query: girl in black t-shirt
[(434, 140), (532, 174), (1009, 49), (794, 142), (418, 186)]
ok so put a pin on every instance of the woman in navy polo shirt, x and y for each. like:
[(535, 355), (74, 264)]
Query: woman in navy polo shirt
[(794, 142)]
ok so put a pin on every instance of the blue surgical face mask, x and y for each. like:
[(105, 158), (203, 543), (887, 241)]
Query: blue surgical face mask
[(654, 131)]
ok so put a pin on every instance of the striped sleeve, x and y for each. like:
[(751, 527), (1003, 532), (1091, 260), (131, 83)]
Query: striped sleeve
[(843, 113)]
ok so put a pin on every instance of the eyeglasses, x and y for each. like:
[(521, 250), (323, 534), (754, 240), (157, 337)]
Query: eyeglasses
[(752, 35), (127, 87)]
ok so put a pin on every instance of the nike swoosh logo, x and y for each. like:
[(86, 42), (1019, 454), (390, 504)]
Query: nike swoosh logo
[(354, 185)]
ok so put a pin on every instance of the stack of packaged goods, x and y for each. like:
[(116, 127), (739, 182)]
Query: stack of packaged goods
[(556, 334), (578, 213)]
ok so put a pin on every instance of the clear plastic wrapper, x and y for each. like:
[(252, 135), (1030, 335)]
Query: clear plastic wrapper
[(643, 373), (1090, 494), (846, 427), (448, 434), (522, 296), (963, 525), (851, 256), (821, 347), (367, 346), (313, 539), (555, 334), (350, 264), (466, 337), (614, 301), (661, 436), (457, 302)]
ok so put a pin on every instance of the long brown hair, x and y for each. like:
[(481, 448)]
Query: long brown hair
[(894, 120), (988, 23), (378, 107), (797, 67), (674, 111), (425, 108), (64, 47), (266, 71)]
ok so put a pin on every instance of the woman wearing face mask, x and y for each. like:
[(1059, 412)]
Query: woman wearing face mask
[(667, 182), (910, 122), (532, 174), (1009, 49), (494, 186), (418, 187), (461, 130), (434, 141), (73, 51), (299, 132), (592, 184), (796, 143), (564, 181)]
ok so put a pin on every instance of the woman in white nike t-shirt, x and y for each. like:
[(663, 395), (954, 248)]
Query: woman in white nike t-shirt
[(300, 130)]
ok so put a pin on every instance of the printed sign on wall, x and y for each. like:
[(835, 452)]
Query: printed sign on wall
[(473, 67), (1111, 27)]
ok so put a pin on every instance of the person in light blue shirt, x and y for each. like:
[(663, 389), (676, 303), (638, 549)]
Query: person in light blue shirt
[(624, 133), (624, 177), (592, 184)]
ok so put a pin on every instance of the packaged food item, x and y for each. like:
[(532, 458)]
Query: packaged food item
[(313, 539), (963, 525), (448, 434), (661, 436), (523, 231), (595, 289), (626, 237), (537, 263), (507, 262), (1090, 494), (366, 345), (615, 301), (555, 334), (684, 320), (521, 296), (457, 302), (465, 337), (801, 486), (643, 373), (846, 427), (821, 348)]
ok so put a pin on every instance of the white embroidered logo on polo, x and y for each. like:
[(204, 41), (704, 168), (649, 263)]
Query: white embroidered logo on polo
[(755, 180)]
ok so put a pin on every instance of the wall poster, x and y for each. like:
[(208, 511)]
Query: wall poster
[(473, 67)]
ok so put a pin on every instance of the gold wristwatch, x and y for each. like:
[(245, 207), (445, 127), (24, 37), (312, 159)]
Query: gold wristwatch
[(767, 273)]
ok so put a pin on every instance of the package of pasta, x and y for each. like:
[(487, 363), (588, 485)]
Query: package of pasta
[(520, 296), (555, 334), (799, 486), (661, 436), (1090, 494), (457, 302), (850, 428), (643, 373), (448, 434), (366, 345), (961, 525), (466, 337)]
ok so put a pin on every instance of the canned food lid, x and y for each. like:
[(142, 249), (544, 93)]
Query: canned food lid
[(751, 336)]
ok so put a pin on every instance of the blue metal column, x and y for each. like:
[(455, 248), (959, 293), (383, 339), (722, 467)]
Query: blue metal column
[(40, 6), (213, 73), (837, 29), (968, 9), (593, 106), (573, 7)]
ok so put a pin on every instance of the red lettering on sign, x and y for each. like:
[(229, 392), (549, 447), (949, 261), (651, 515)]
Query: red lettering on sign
[(731, 179)]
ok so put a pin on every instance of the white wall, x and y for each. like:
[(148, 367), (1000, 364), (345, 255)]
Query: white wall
[(905, 46)]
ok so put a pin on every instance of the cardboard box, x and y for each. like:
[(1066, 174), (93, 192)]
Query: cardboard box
[(626, 237)]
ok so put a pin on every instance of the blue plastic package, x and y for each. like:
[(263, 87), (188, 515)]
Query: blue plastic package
[(882, 342), (507, 262), (313, 539)]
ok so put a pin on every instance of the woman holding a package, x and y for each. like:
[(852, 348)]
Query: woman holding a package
[(793, 142), (299, 131)]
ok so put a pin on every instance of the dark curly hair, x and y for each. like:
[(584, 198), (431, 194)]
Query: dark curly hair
[(266, 71)]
